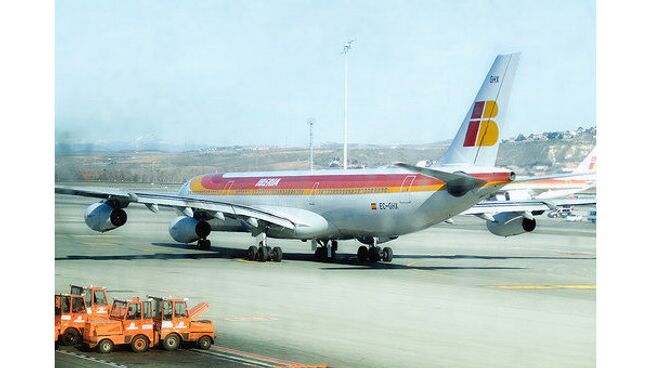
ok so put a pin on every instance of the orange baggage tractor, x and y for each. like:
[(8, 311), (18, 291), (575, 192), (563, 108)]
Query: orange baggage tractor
[(69, 318), (176, 323), (129, 323), (96, 300)]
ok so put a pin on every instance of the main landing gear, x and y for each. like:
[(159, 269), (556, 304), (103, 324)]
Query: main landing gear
[(375, 253), (326, 250), (262, 252)]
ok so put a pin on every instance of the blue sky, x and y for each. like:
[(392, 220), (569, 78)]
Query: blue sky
[(253, 72)]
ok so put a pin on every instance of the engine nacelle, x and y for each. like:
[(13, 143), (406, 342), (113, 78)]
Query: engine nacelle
[(102, 217), (185, 229), (511, 223), (513, 195)]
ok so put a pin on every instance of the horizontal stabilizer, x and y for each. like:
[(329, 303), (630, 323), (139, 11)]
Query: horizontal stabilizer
[(458, 183), (523, 179)]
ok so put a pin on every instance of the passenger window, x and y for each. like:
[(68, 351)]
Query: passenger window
[(134, 311), (78, 305), (57, 305), (88, 295), (100, 298), (181, 310), (167, 310), (65, 304), (148, 312), (156, 309)]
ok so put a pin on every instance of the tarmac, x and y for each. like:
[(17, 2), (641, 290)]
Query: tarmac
[(454, 295)]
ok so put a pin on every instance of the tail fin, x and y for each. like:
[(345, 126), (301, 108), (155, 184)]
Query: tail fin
[(588, 165), (477, 141)]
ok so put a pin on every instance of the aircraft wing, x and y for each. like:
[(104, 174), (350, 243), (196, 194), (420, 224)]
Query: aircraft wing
[(523, 179), (492, 207), (152, 200)]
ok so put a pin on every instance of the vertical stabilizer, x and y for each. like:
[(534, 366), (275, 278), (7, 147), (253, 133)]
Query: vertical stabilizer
[(477, 141), (588, 165)]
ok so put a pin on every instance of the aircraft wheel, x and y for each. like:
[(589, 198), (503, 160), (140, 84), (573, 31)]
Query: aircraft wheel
[(204, 343), (362, 253), (252, 253), (105, 346), (140, 344), (263, 254), (171, 342), (276, 254), (387, 254), (71, 337), (374, 254)]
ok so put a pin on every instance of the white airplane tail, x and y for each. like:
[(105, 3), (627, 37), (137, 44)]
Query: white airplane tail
[(477, 141), (588, 165)]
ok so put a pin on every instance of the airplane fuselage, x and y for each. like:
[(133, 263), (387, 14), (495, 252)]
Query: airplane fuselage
[(383, 203)]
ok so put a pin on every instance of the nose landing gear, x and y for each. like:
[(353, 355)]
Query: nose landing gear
[(326, 250)]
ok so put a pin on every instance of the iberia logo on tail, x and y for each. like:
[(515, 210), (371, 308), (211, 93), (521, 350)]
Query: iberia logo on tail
[(482, 131)]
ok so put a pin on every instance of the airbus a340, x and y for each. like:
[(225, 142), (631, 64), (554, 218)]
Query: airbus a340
[(373, 206)]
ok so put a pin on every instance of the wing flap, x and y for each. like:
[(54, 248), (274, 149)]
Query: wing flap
[(180, 202)]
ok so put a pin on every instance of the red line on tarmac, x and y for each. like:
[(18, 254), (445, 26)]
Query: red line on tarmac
[(252, 355)]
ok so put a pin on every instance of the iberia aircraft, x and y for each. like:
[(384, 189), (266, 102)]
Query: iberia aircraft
[(372, 205), (579, 180)]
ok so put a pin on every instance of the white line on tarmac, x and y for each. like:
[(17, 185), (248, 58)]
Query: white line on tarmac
[(85, 357), (237, 359)]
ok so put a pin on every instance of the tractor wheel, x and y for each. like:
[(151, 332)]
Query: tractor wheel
[(171, 342), (140, 344), (71, 337), (204, 343), (105, 346)]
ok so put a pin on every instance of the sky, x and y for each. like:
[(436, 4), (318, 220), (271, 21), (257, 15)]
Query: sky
[(254, 72)]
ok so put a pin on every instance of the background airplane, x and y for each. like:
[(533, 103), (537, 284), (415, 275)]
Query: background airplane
[(581, 179), (373, 206)]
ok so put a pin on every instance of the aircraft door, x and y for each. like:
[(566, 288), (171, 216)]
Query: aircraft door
[(405, 190), (227, 187), (312, 194)]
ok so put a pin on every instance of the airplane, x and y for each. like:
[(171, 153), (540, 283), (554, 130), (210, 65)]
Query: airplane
[(582, 178), (373, 206)]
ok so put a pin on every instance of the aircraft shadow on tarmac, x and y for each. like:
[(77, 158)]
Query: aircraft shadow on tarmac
[(343, 259)]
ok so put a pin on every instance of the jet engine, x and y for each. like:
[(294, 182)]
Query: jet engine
[(513, 195), (511, 223), (185, 229), (103, 217)]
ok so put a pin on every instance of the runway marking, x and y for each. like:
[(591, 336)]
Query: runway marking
[(93, 235), (252, 355), (249, 359), (249, 261), (86, 357), (250, 319), (577, 286), (235, 359)]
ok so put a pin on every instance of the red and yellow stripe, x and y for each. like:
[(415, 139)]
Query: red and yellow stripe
[(216, 184)]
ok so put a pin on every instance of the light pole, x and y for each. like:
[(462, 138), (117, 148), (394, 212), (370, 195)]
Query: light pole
[(346, 48), (311, 144)]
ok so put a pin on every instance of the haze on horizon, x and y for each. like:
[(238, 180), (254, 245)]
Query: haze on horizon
[(253, 72)]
